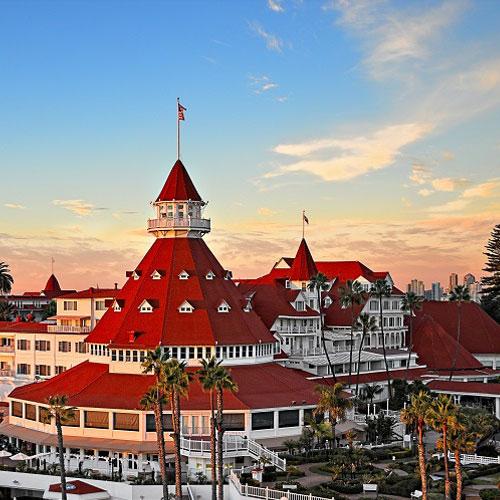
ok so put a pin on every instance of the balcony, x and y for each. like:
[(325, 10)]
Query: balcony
[(67, 329), (7, 349), (7, 373), (187, 223), (296, 330)]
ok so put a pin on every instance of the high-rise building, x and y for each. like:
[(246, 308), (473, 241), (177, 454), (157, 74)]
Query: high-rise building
[(453, 281), (417, 287), (437, 291), (469, 279)]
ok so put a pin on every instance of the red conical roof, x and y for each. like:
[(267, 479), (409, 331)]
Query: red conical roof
[(52, 285), (178, 185), (303, 267)]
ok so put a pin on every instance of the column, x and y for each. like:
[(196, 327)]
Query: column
[(497, 407)]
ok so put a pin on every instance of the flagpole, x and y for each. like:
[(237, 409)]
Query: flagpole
[(178, 133), (303, 224)]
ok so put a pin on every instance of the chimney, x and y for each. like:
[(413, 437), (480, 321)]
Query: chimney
[(116, 286)]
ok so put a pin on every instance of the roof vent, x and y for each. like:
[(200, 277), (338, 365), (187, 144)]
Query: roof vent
[(183, 275), (134, 274), (223, 307), (186, 307), (210, 275), (157, 274)]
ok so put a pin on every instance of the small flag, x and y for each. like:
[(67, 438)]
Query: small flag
[(180, 111), (306, 220)]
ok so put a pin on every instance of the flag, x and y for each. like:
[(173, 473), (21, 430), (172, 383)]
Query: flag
[(180, 111), (306, 220)]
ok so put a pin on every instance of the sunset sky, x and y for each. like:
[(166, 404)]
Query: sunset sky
[(379, 118)]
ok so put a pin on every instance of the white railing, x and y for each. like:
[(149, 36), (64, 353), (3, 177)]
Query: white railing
[(182, 223), (267, 493), (68, 329), (297, 329), (359, 418), (470, 459), (233, 444)]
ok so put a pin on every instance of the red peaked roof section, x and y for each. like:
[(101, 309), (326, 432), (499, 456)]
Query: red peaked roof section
[(91, 385), (303, 267), (178, 185), (79, 488), (165, 325), (479, 332), (436, 349), (91, 293), (52, 285)]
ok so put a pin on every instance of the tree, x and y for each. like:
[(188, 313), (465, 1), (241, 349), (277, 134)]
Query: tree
[(490, 299), (351, 294), (319, 283), (415, 416), (177, 380), (458, 295), (61, 413), (206, 375), (411, 302), (7, 310), (367, 325), (332, 401), (441, 416), (6, 279), (154, 399), (155, 362), (50, 310), (370, 391), (223, 382), (381, 289)]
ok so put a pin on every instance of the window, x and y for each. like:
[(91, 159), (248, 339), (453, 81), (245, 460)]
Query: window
[(288, 418), (167, 423), (234, 421), (223, 307), (113, 355), (74, 420), (183, 275), (29, 412), (42, 370), (186, 307), (310, 416), (64, 346), (16, 409), (100, 305), (96, 420), (43, 415), (156, 275), (287, 284), (373, 305), (262, 420), (60, 369), (42, 345), (300, 305), (80, 347), (126, 421), (70, 305), (210, 275), (23, 369), (145, 307), (23, 345), (386, 305)]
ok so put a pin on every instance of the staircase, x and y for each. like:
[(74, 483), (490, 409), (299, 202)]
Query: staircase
[(233, 446)]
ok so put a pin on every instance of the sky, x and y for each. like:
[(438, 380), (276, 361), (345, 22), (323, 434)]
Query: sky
[(379, 118)]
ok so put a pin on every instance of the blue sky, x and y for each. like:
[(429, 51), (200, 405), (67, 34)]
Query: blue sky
[(379, 118)]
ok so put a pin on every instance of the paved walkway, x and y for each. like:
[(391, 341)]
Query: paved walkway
[(311, 478)]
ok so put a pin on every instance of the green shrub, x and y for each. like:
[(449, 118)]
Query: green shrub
[(490, 494), (348, 487), (400, 487)]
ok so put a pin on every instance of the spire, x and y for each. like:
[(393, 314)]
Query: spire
[(303, 267), (178, 185)]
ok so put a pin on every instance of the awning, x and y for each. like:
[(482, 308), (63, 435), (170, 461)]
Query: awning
[(44, 438)]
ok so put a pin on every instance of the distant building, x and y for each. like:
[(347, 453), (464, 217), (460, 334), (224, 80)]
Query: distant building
[(417, 287), (453, 281), (436, 291), (475, 291), (469, 279)]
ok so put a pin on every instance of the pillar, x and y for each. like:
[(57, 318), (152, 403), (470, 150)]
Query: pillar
[(497, 407)]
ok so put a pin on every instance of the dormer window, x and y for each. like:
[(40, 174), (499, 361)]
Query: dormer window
[(184, 275), (327, 301), (300, 305), (157, 274), (210, 275), (287, 283), (223, 307), (146, 306), (228, 275), (117, 305), (186, 307), (136, 275)]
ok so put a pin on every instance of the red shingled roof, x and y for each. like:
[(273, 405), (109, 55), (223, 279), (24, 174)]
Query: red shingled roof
[(91, 385), (464, 387), (80, 488), (303, 267), (479, 332), (178, 185), (23, 327), (166, 325), (436, 349), (91, 293)]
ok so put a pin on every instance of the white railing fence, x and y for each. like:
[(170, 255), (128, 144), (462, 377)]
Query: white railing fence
[(470, 459), (268, 493)]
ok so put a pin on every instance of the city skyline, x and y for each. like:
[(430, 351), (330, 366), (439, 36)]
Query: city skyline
[(379, 120)]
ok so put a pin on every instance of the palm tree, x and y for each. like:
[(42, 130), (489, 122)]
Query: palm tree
[(370, 391), (381, 289), (206, 375), (6, 279), (441, 416), (411, 302), (366, 324), (319, 283), (351, 295), (223, 382), (61, 413), (155, 362), (332, 401), (7, 310), (177, 380), (459, 294), (154, 400), (415, 415), (461, 440)]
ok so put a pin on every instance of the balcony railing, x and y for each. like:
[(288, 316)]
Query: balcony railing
[(68, 329), (7, 373), (296, 329), (7, 348), (179, 223)]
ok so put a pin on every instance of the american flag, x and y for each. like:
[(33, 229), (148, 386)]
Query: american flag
[(180, 111), (306, 220)]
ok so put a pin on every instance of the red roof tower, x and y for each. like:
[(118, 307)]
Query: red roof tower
[(303, 267)]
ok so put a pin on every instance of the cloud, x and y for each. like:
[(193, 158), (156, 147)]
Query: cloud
[(343, 159), (272, 41), (425, 192), (449, 184), (275, 5), (78, 207), (420, 174), (265, 211), (262, 84), (15, 206)]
